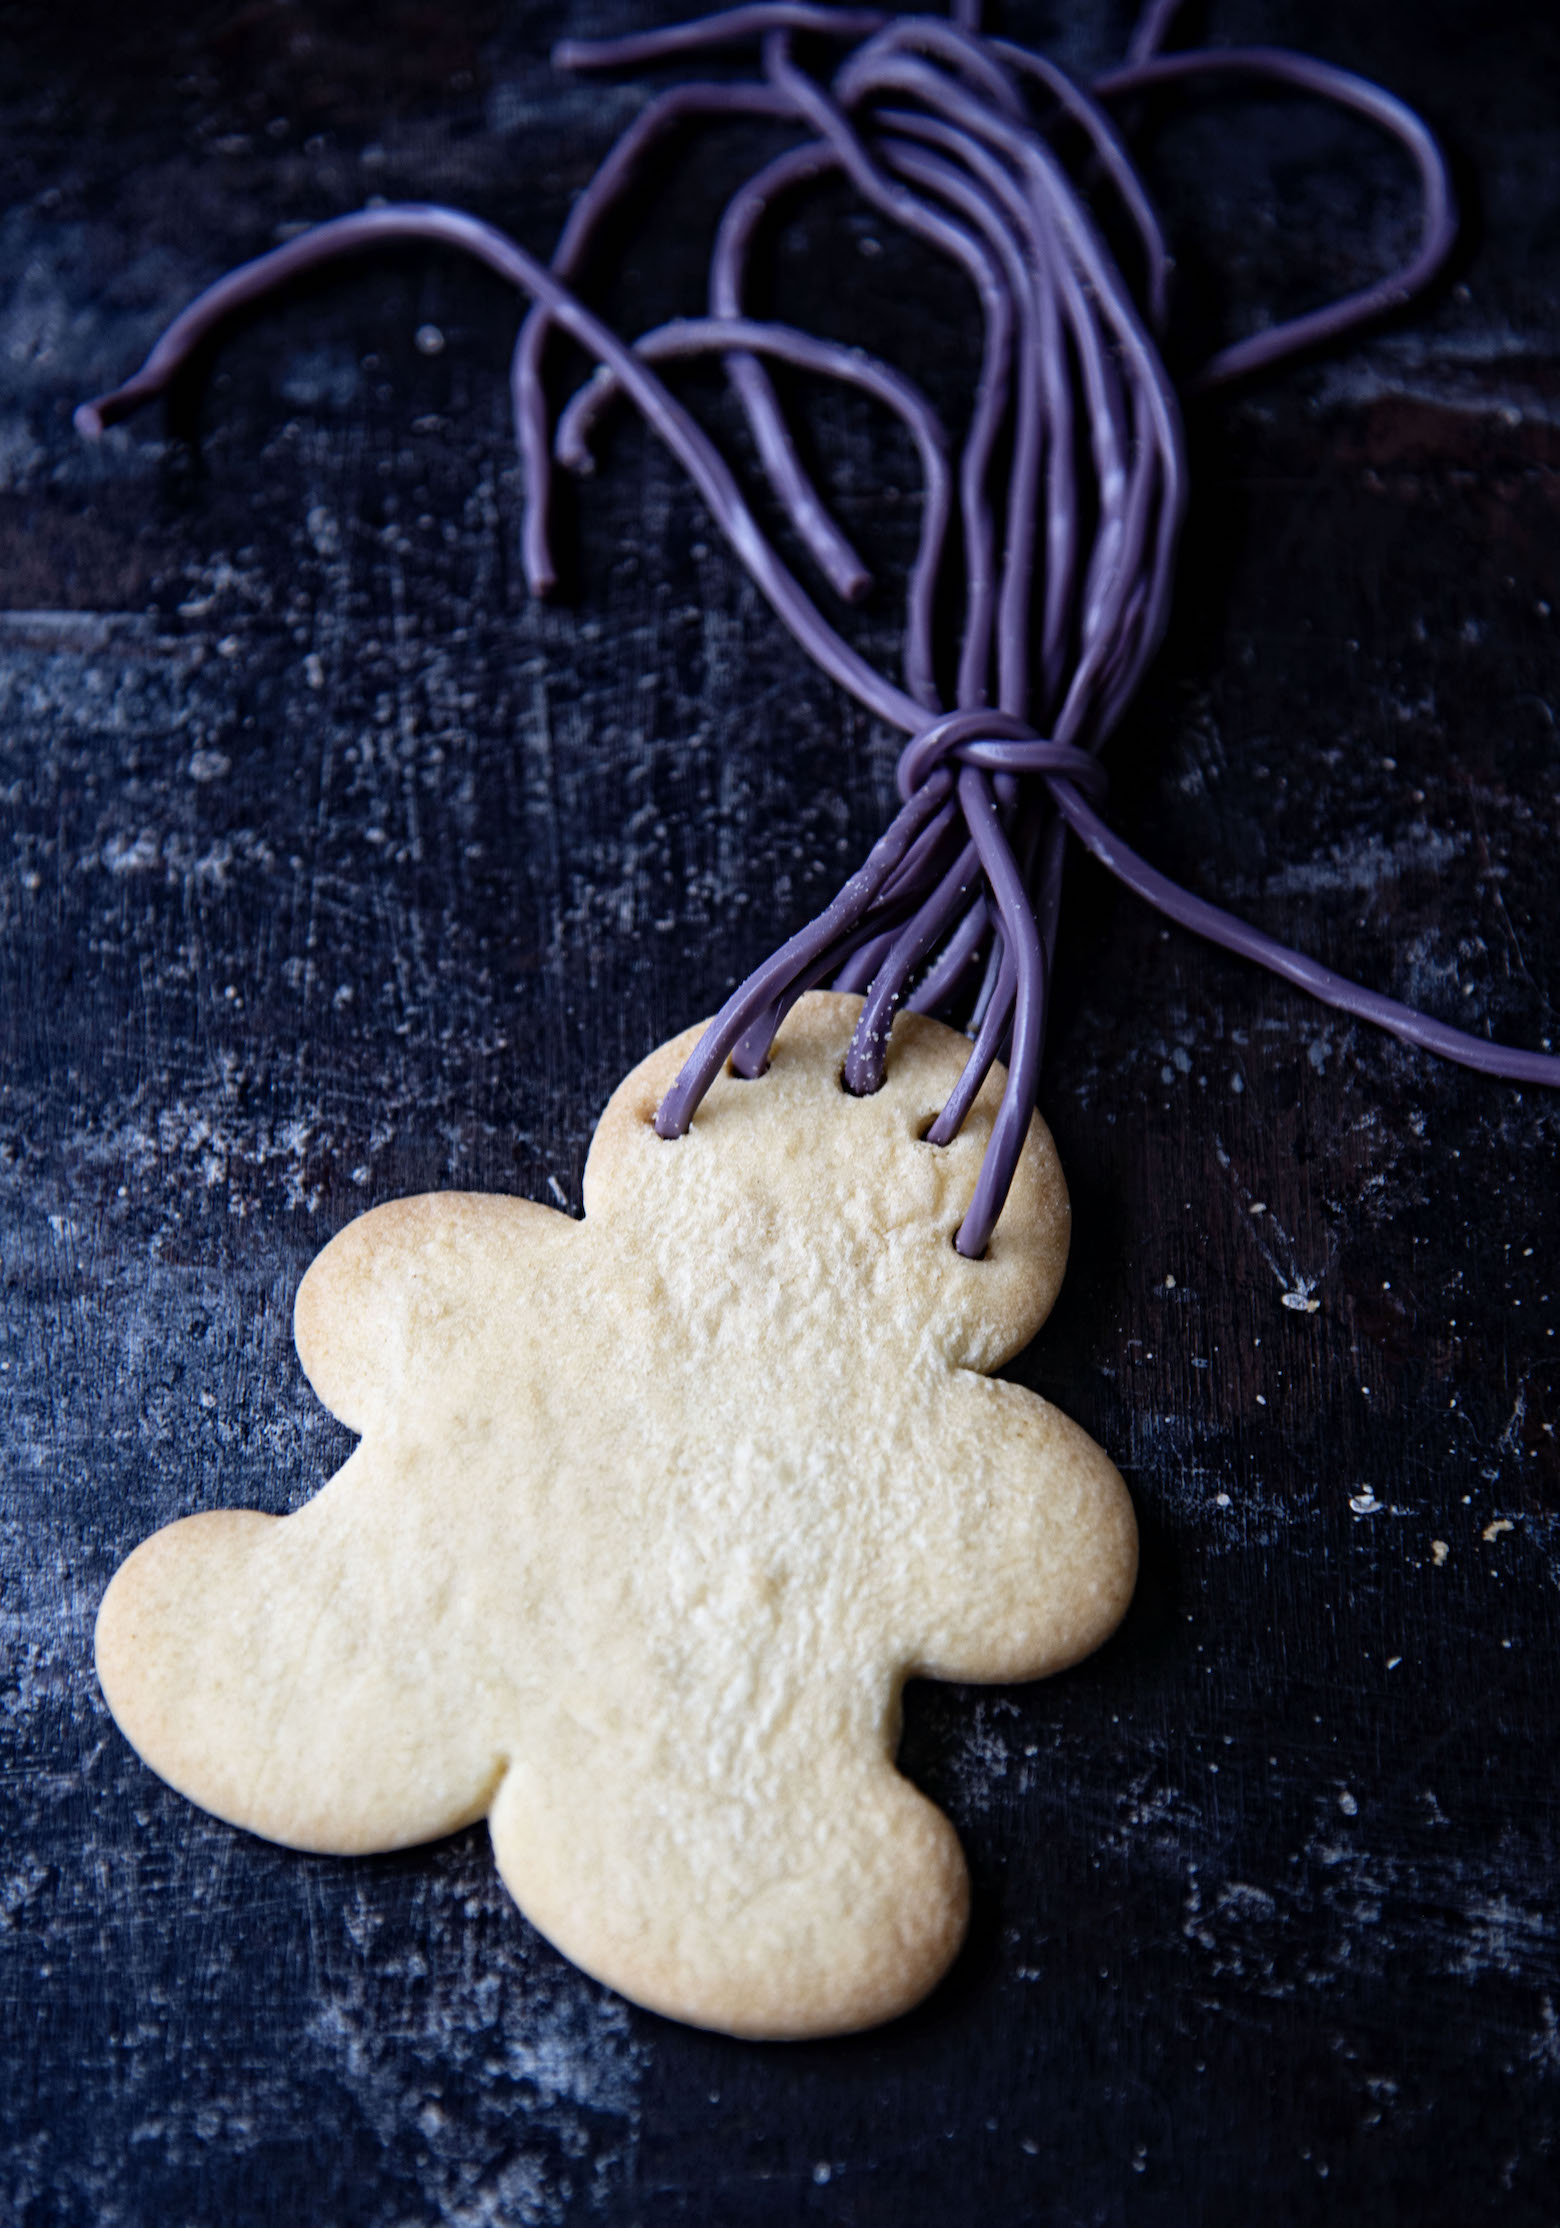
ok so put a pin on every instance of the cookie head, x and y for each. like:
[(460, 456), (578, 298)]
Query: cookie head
[(788, 1183)]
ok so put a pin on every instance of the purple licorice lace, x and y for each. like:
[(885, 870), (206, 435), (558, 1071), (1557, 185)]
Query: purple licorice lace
[(1066, 564)]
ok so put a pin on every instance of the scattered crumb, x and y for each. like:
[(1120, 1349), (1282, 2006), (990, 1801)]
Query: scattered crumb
[(1440, 1551), (1501, 1524)]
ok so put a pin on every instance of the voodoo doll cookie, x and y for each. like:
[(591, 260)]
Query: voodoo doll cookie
[(652, 1516)]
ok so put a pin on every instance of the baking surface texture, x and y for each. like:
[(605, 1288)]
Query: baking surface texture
[(332, 871)]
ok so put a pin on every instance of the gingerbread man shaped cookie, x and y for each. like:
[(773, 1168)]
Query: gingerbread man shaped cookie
[(651, 1517)]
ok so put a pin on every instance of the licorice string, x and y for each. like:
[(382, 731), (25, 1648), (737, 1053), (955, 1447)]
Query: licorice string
[(1302, 73), (697, 336), (783, 467), (930, 122)]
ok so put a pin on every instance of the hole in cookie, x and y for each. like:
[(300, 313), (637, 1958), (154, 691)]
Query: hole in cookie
[(852, 1093), (924, 1133)]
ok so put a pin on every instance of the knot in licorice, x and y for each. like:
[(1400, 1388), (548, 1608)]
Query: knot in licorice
[(994, 743)]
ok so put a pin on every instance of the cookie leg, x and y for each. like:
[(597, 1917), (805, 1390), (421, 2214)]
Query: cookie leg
[(837, 1902), (284, 1675)]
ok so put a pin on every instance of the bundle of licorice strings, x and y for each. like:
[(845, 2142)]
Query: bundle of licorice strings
[(1067, 491)]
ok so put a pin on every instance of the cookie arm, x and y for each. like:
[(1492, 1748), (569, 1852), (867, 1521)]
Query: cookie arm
[(1023, 1546), (394, 1289)]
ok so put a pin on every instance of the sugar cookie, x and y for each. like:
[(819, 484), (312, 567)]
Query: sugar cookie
[(651, 1517)]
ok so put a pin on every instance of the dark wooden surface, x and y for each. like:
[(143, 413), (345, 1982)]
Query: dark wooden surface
[(331, 869)]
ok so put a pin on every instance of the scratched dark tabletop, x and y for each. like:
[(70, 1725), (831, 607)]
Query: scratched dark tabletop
[(332, 869)]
